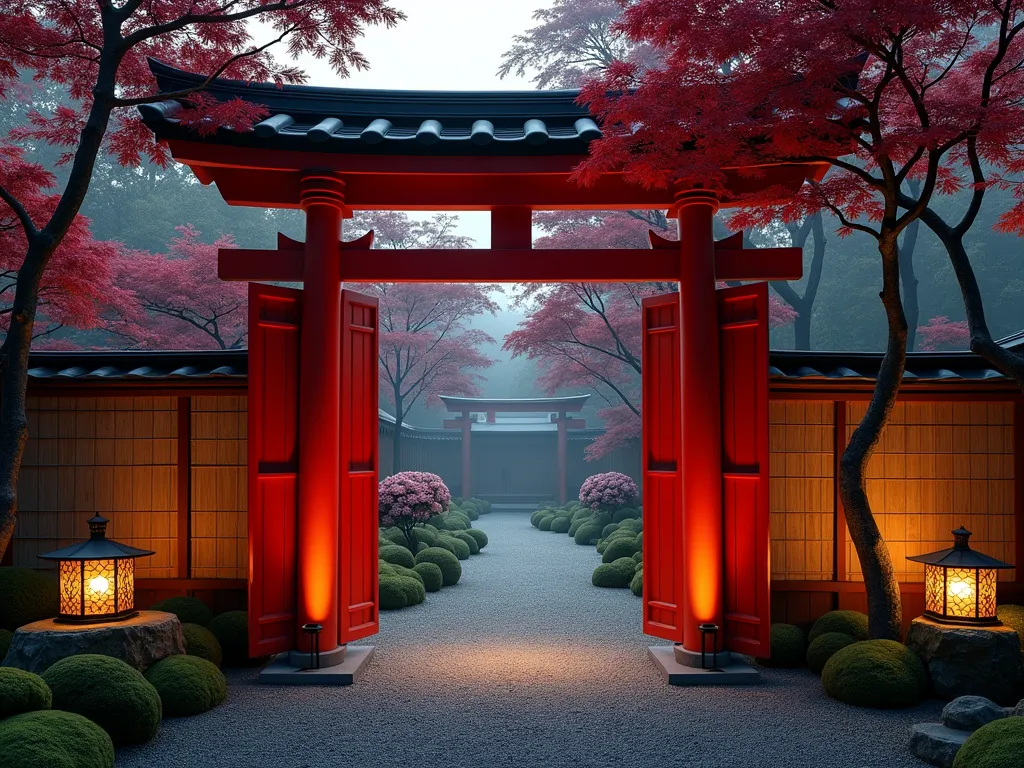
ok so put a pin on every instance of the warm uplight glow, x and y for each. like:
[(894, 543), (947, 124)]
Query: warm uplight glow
[(960, 590), (99, 585)]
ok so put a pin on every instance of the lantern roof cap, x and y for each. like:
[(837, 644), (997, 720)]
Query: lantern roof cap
[(97, 546), (960, 555)]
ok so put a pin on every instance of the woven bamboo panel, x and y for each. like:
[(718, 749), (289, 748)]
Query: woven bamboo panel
[(219, 488), (802, 489), (939, 466), (112, 456)]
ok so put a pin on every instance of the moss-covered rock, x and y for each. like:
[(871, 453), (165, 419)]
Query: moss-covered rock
[(852, 623), (397, 555), (188, 685), (391, 594), (432, 577), (189, 610), (545, 523), (999, 744), (460, 548), (54, 739), (231, 629), (588, 533), (201, 642), (451, 568), (823, 647), (617, 574), (112, 694), (6, 636), (560, 525), (474, 548), (788, 647), (636, 585), (874, 673), (621, 547), (25, 596), (480, 536), (22, 691)]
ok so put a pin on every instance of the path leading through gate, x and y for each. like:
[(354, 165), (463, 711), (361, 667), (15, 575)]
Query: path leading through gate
[(525, 664)]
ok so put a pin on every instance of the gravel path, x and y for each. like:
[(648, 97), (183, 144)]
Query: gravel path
[(525, 664)]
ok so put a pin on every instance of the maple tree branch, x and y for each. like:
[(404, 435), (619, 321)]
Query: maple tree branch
[(188, 19), (19, 210)]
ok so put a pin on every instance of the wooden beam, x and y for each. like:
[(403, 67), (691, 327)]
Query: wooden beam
[(184, 487), (251, 265), (839, 572), (1018, 487)]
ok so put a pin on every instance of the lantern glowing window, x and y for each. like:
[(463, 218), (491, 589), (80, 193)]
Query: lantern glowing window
[(960, 583), (97, 577)]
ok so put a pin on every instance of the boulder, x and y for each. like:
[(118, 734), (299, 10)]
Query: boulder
[(140, 641), (969, 713), (1017, 711), (968, 661), (936, 744)]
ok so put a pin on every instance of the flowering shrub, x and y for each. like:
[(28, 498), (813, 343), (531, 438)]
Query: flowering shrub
[(410, 498), (608, 491)]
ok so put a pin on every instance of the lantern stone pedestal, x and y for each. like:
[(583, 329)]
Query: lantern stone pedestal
[(964, 660), (140, 641)]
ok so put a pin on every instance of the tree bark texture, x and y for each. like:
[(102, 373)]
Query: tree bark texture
[(911, 306), (804, 305)]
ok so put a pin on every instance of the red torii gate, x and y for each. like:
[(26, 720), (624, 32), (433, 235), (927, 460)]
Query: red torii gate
[(313, 380), (466, 406)]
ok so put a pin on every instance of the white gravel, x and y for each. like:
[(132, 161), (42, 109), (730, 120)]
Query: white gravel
[(524, 664)]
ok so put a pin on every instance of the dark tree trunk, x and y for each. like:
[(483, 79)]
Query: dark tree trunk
[(804, 305), (910, 282), (885, 612), (396, 444)]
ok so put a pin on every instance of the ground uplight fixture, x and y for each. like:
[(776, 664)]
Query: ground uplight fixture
[(960, 583), (313, 633), (96, 577), (705, 630)]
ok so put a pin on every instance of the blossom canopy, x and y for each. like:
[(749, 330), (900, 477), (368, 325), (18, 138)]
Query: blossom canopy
[(608, 490), (411, 497)]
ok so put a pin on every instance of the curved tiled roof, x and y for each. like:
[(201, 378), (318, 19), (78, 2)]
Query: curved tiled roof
[(351, 120)]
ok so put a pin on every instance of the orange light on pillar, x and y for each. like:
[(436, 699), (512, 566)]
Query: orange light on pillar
[(960, 583), (96, 577)]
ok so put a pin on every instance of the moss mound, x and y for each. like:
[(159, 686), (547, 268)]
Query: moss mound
[(788, 647), (6, 636), (22, 691), (444, 542), (545, 523), (424, 536), (621, 547), (232, 632), (638, 557), (560, 525), (480, 536), (397, 555), (618, 574), (451, 568), (823, 647), (112, 694), (609, 529), (636, 585), (408, 573), (53, 739), (537, 515), (852, 623), (455, 522), (460, 548), (189, 610), (432, 577), (391, 594), (201, 642), (25, 596), (582, 513), (474, 548), (188, 685), (587, 533), (1011, 615), (415, 592), (998, 744), (874, 673)]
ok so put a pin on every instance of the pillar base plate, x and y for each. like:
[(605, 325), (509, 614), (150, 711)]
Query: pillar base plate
[(735, 672), (281, 672)]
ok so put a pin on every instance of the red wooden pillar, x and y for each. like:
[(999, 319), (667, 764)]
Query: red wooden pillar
[(322, 197), (563, 457), (467, 469), (701, 417)]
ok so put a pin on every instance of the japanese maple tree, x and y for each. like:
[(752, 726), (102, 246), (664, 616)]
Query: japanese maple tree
[(873, 90), (97, 50), (941, 333)]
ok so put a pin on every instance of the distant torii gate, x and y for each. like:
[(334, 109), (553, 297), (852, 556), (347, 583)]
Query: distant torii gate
[(313, 381)]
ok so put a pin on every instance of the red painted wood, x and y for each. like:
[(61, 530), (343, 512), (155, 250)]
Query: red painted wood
[(512, 227), (273, 446), (357, 559), (743, 349), (246, 264), (662, 464)]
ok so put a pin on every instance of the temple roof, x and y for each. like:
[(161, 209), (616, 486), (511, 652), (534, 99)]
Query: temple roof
[(361, 121)]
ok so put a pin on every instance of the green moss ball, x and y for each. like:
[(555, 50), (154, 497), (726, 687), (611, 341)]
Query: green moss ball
[(188, 685), (617, 548), (394, 536), (588, 533), (461, 548), (455, 522), (415, 593), (480, 536), (823, 647), (6, 636), (999, 744), (445, 541), (25, 596), (636, 586), (397, 555), (609, 529), (392, 595), (22, 691), (575, 526), (788, 647), (231, 629), (474, 548), (582, 513), (536, 516), (545, 523), (53, 739), (385, 567), (431, 575), (618, 574), (425, 536), (560, 525), (874, 673), (451, 568), (852, 623), (408, 573), (189, 610), (638, 557), (201, 642), (112, 694)]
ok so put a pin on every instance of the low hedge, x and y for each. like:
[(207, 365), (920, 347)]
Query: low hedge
[(999, 744), (54, 739), (545, 523), (617, 574), (474, 548), (408, 573), (480, 536), (875, 673), (852, 623), (22, 691), (112, 694), (788, 646), (823, 647), (415, 593), (620, 547), (187, 685), (25, 596), (390, 594), (451, 568), (232, 632), (397, 555), (189, 610), (461, 548), (636, 586), (587, 533), (561, 524), (202, 643), (431, 574)]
